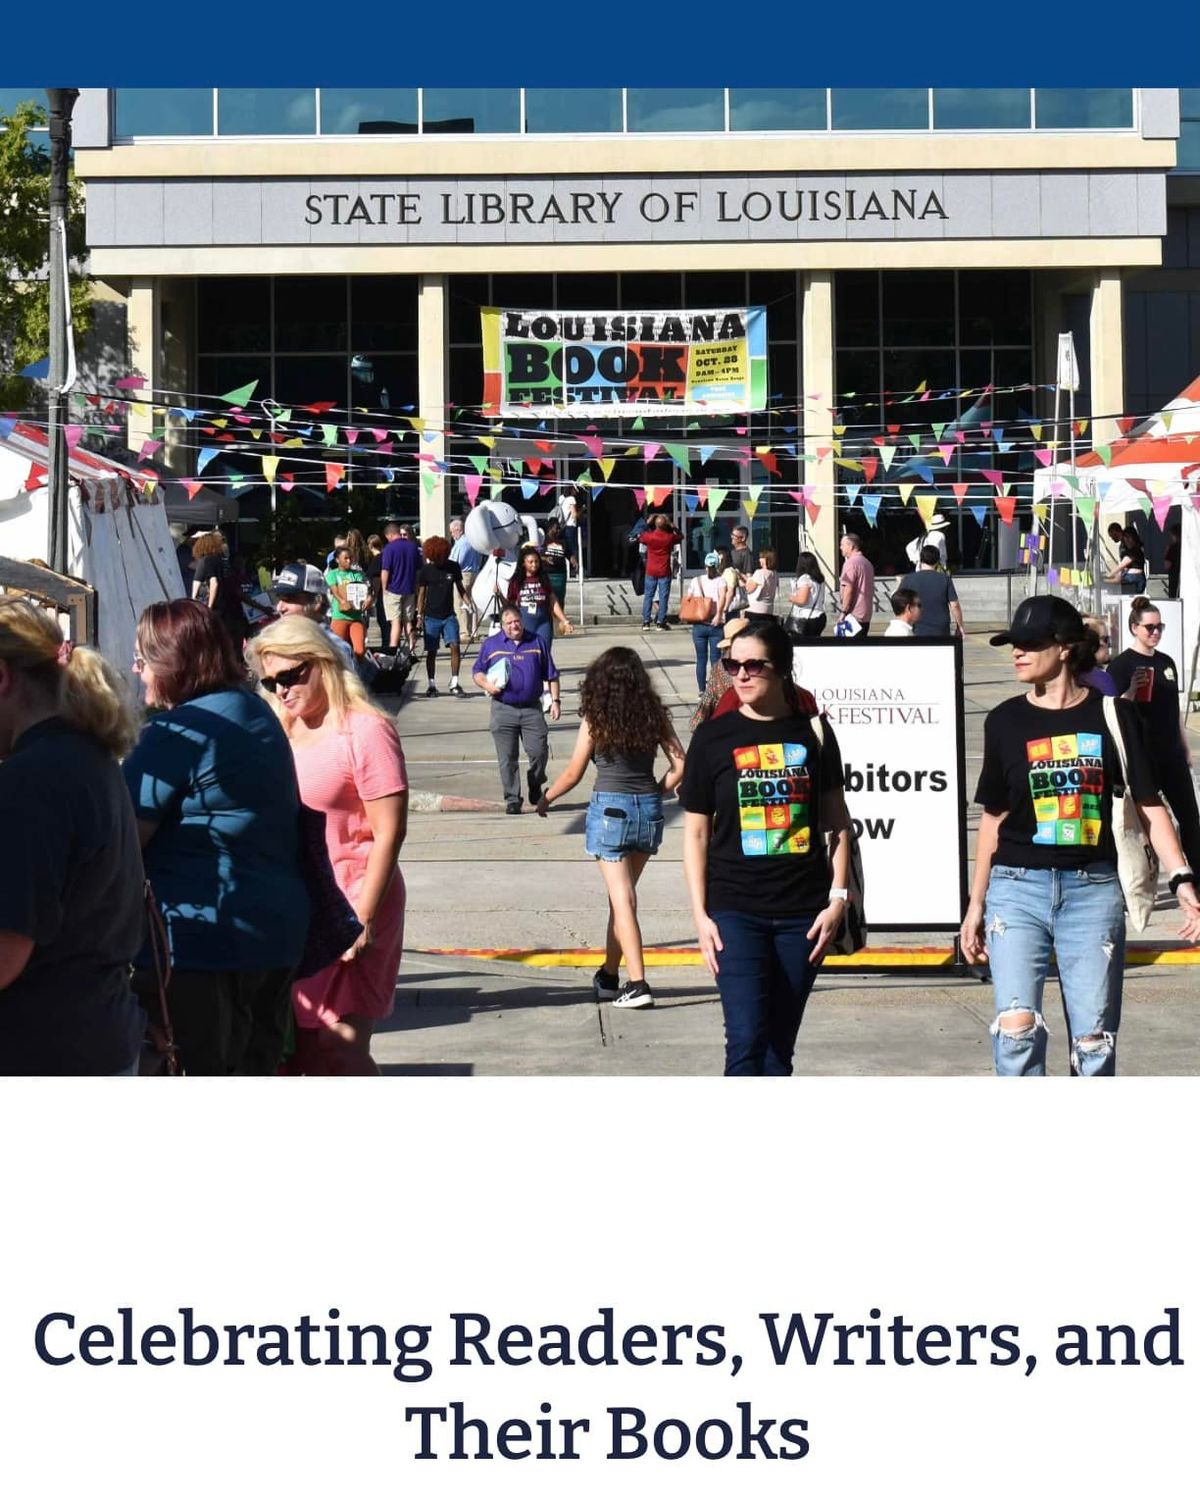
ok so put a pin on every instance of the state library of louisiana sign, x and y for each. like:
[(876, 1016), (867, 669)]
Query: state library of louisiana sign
[(625, 209)]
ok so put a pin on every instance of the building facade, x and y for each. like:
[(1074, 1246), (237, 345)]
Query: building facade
[(337, 246)]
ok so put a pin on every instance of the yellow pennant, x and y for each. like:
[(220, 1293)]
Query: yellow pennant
[(750, 506), (269, 464), (926, 506), (905, 492), (607, 465)]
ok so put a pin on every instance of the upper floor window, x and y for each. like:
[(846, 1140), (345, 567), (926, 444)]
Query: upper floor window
[(1187, 158), (1084, 109), (266, 112)]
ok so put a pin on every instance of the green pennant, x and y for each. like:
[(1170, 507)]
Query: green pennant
[(329, 434), (1105, 452), (754, 491), (1085, 508), (938, 429), (680, 455), (639, 424), (715, 496), (428, 483), (480, 461), (241, 395)]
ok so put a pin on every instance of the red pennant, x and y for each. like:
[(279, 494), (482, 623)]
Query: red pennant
[(334, 473), (870, 465), (960, 491), (38, 474), (1007, 506)]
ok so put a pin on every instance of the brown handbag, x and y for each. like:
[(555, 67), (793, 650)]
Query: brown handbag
[(160, 1054), (697, 609)]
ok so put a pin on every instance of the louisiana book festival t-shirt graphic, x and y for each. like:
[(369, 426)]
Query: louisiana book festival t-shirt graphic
[(774, 793), (1066, 782)]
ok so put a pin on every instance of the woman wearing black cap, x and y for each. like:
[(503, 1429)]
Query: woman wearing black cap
[(1045, 859)]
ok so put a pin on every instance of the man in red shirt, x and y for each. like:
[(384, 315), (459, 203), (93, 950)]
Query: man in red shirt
[(659, 539)]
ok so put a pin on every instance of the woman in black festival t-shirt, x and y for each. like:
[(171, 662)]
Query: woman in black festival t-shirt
[(1045, 859), (761, 790), (1150, 678)]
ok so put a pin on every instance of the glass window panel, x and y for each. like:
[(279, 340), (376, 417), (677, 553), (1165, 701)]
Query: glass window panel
[(880, 109), (650, 290), (714, 289), (777, 109), (905, 369), (368, 111), (1187, 156), (918, 307), (594, 291), (981, 109), (856, 308), (229, 372), (994, 307), (530, 289), (384, 382), (1189, 104), (304, 378), (466, 375), (572, 111), (676, 109), (467, 295), (783, 376), (383, 312), (1084, 109), (472, 111), (266, 111), (776, 291), (233, 314), (310, 313), (164, 112)]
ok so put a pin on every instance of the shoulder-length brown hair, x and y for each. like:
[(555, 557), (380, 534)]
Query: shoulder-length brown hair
[(623, 712), (189, 651)]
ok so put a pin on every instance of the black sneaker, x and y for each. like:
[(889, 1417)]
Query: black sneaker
[(535, 789), (605, 986), (646, 625), (431, 691), (455, 690), (662, 625), (513, 807), (636, 995)]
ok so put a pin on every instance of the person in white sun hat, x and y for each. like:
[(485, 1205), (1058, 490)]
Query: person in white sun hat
[(933, 536)]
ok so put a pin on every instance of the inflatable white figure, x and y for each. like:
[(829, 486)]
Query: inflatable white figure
[(494, 527)]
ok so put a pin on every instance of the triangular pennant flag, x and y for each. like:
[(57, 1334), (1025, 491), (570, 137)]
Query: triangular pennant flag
[(870, 507), (887, 451), (334, 473), (1044, 456), (429, 483), (905, 492), (947, 452), (38, 475), (638, 424), (706, 453), (754, 491), (640, 496), (231, 398), (479, 460), (607, 465), (471, 483), (650, 451), (1040, 512), (813, 510), (594, 446), (657, 493), (1161, 505), (680, 455), (529, 488), (1007, 506), (715, 497), (1105, 452), (269, 464), (1085, 508), (750, 507), (852, 495), (960, 492), (329, 435), (870, 467), (206, 457), (980, 512), (351, 435), (73, 432), (926, 506), (193, 487), (691, 501)]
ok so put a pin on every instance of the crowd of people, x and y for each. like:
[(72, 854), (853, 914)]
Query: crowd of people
[(255, 812)]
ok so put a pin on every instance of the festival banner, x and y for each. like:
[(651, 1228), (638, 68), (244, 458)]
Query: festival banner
[(618, 364)]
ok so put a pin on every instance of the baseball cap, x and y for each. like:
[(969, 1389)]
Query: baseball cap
[(299, 578), (711, 560), (1044, 618)]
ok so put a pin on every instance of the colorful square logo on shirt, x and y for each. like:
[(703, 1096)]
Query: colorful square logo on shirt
[(1091, 745), (770, 757), (1070, 806), (754, 843), (746, 759), (1065, 746), (795, 755), (1070, 831), (1038, 750), (752, 817), (1091, 831), (1045, 809)]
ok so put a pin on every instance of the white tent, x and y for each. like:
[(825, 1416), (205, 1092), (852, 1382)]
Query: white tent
[(1156, 466), (117, 537)]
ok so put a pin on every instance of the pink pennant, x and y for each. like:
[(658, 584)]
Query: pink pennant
[(640, 497), (594, 446), (193, 487), (287, 481), (1044, 456), (813, 510), (649, 450), (947, 451), (1161, 506), (993, 476), (380, 435), (471, 483), (149, 448), (73, 433), (351, 435), (130, 383)]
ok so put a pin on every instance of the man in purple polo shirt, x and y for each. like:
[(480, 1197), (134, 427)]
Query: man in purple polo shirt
[(398, 573), (514, 669)]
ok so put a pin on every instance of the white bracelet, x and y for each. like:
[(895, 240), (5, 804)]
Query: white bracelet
[(839, 893)]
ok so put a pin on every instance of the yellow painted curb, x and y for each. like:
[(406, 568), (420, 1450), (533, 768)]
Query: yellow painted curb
[(1137, 955)]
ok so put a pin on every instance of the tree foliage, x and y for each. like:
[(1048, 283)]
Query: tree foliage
[(24, 243)]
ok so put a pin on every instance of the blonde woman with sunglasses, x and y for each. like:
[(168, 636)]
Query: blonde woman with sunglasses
[(350, 767)]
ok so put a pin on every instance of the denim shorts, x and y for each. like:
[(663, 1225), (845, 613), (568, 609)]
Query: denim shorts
[(619, 823), (440, 630)]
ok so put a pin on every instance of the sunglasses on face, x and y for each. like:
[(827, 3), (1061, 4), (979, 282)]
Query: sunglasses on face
[(1153, 629), (293, 677), (752, 666)]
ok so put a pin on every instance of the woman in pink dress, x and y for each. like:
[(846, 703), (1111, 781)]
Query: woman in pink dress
[(350, 767)]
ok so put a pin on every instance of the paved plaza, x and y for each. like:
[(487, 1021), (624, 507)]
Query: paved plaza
[(483, 881)]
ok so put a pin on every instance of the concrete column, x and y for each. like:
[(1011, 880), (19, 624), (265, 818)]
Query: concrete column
[(1107, 334), (144, 357), (818, 374), (433, 402), (176, 349)]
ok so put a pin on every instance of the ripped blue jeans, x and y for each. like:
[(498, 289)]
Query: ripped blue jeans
[(1080, 914)]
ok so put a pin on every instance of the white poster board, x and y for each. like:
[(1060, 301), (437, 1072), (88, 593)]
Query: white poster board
[(896, 709)]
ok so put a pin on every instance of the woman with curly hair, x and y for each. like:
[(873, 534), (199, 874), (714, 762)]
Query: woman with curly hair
[(214, 583), (437, 580), (71, 912), (531, 590), (350, 767), (624, 725)]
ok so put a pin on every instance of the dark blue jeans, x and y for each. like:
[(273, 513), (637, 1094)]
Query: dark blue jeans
[(707, 640), (660, 589), (764, 979)]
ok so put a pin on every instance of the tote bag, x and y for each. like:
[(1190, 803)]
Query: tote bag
[(852, 934), (1137, 863)]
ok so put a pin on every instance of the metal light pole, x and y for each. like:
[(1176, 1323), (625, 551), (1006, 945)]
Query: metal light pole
[(62, 102)]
